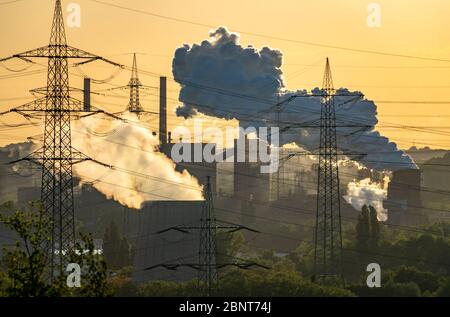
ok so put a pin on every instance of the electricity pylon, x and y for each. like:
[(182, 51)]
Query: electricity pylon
[(134, 85), (57, 154), (208, 248), (208, 265), (328, 233)]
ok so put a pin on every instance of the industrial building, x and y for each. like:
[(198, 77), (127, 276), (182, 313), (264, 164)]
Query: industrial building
[(153, 248), (404, 202), (241, 193)]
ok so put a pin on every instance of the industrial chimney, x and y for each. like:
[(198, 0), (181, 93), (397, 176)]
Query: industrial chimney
[(163, 110), (87, 95)]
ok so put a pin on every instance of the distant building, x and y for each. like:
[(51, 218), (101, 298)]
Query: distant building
[(436, 185), (13, 177), (200, 170), (404, 202), (169, 247), (28, 194), (425, 154)]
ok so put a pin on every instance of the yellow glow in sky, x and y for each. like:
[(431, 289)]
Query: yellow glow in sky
[(408, 27)]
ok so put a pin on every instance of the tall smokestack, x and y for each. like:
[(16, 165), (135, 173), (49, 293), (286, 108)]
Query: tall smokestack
[(87, 95), (163, 110)]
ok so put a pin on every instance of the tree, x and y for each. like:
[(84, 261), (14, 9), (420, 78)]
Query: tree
[(444, 289), (390, 289), (368, 231), (426, 281), (126, 257), (273, 283), (228, 245), (116, 248), (426, 252), (94, 269), (375, 230), (363, 229), (25, 264)]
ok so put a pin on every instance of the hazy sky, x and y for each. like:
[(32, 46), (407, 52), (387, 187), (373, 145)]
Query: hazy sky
[(408, 27)]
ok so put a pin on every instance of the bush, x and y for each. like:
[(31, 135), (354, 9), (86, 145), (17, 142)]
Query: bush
[(444, 289), (391, 289), (426, 281)]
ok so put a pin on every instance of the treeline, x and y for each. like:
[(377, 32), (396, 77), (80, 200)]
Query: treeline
[(414, 262)]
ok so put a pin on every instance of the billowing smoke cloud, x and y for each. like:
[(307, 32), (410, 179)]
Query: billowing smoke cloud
[(140, 173), (221, 78), (366, 192)]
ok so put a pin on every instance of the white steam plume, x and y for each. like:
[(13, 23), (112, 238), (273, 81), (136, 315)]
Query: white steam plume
[(218, 76), (366, 192), (132, 148)]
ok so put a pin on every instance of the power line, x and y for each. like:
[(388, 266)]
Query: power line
[(445, 102), (9, 2), (357, 119), (271, 101), (271, 219), (355, 50), (425, 189), (328, 228), (283, 208), (56, 104)]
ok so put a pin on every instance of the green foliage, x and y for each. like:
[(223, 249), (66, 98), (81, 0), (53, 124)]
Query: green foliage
[(160, 289), (391, 289), (363, 229), (405, 281), (25, 263), (409, 289), (94, 270), (303, 256), (368, 231), (116, 248), (375, 230), (424, 251), (25, 270), (427, 256), (228, 244), (439, 228), (121, 283), (426, 281), (393, 250), (247, 283), (273, 283), (444, 289)]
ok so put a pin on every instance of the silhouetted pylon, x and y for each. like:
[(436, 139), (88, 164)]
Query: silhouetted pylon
[(134, 85), (328, 235), (57, 154)]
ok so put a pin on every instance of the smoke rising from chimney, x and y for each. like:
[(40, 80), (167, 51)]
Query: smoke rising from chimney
[(129, 147), (209, 71), (366, 192)]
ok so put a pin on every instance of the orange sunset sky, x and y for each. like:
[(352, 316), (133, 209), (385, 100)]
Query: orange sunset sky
[(408, 27)]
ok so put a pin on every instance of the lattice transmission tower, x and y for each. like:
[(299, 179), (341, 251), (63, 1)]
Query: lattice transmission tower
[(207, 265), (57, 156), (207, 249), (328, 235), (135, 88), (134, 85)]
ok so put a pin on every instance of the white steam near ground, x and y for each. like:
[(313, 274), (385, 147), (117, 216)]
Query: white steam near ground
[(129, 148), (367, 192)]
